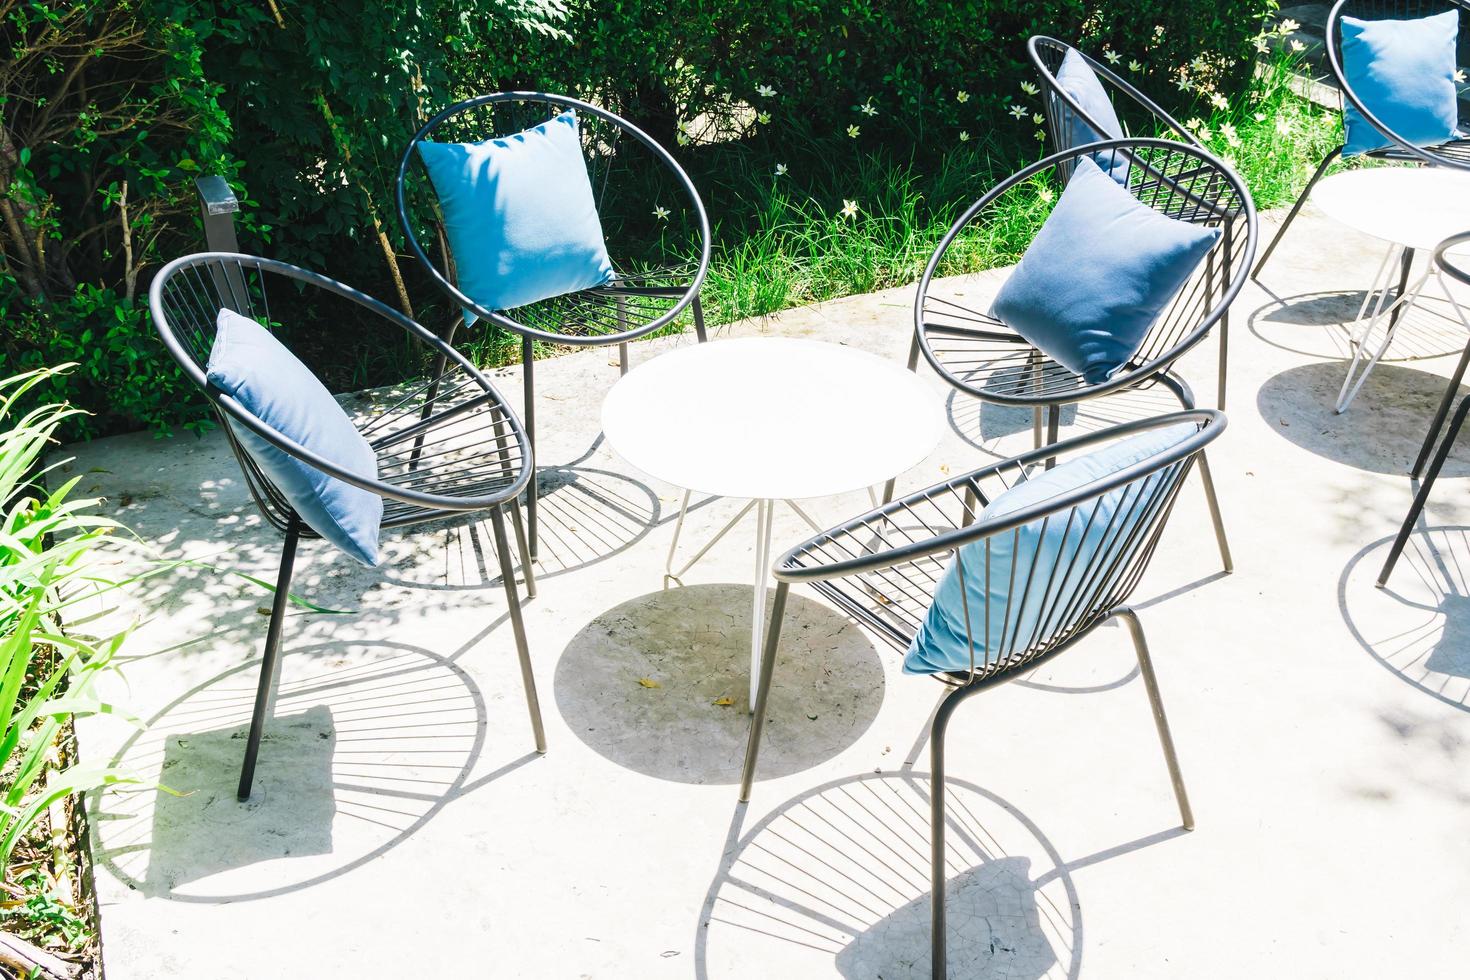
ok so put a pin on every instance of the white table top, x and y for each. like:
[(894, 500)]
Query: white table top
[(772, 418), (1414, 206)]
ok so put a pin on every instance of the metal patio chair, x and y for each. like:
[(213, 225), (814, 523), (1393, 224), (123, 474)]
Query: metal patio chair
[(446, 443), (1454, 153), (883, 568), (1458, 268), (982, 357), (655, 225), (1140, 116)]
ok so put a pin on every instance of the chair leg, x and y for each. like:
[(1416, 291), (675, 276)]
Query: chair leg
[(1441, 413), (1422, 497), (265, 691), (1053, 426), (698, 308), (1295, 209), (938, 949), (1151, 684), (1407, 261), (528, 418), (518, 524), (1186, 399), (518, 626), (763, 689)]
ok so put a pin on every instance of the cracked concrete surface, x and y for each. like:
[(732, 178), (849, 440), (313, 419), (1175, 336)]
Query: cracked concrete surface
[(403, 826)]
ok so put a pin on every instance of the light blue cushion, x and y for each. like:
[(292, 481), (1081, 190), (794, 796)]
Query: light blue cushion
[(1078, 80), (271, 384), (1097, 275), (1071, 546), (1403, 71), (519, 214)]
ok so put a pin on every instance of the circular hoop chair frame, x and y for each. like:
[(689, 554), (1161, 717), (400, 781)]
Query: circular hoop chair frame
[(1191, 184), (613, 298), (883, 568), (448, 445), (1454, 153)]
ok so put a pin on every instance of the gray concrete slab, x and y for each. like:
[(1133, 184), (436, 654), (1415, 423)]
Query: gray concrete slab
[(403, 826)]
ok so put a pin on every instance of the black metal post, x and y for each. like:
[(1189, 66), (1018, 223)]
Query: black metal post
[(217, 208), (763, 689), (518, 626), (1422, 497), (528, 417), (269, 663), (1441, 413)]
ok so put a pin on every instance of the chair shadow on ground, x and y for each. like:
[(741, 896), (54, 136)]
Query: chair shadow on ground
[(1001, 431), (694, 644), (1318, 325), (1380, 432), (837, 880), (1418, 627), (369, 742)]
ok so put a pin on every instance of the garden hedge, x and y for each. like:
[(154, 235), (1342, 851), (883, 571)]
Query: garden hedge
[(304, 104)]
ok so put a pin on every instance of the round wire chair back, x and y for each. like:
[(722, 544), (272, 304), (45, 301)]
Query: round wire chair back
[(1455, 266), (1454, 152), (653, 221), (884, 567), (1140, 115), (977, 353), (444, 441)]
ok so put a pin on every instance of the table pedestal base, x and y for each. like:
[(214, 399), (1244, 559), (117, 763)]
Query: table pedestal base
[(1362, 329), (764, 512)]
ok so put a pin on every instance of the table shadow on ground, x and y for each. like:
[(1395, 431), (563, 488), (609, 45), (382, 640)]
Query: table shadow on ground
[(836, 882), (1318, 325), (1418, 626), (694, 644), (1380, 432), (369, 741)]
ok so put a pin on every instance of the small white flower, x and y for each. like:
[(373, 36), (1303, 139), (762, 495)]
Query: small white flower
[(1018, 111), (1459, 74), (1185, 85), (1046, 194), (1194, 124), (1135, 65), (780, 170), (964, 136), (1297, 47), (962, 96), (1232, 138), (849, 208), (1198, 65), (1040, 136), (1289, 26), (853, 131), (681, 139), (1037, 118), (661, 213), (1113, 57), (1158, 30), (1260, 117), (1029, 88), (1219, 101), (867, 108), (1203, 133), (1262, 45), (763, 118), (1283, 126), (764, 91)]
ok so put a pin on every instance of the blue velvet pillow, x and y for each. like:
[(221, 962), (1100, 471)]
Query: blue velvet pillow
[(1097, 275), (1404, 72), (249, 364), (1078, 80), (519, 214), (941, 643)]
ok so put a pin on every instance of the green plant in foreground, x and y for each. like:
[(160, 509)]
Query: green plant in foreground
[(46, 676)]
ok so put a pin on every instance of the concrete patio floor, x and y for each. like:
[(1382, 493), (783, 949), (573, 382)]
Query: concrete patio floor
[(403, 827)]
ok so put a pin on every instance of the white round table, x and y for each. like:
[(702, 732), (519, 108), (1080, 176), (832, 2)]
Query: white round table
[(1412, 209), (767, 419)]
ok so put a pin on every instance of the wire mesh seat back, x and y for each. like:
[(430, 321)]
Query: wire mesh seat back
[(884, 567), (982, 356), (445, 441), (1139, 114), (1454, 153), (653, 221)]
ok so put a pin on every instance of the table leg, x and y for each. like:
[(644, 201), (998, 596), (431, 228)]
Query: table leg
[(763, 522), (1395, 311)]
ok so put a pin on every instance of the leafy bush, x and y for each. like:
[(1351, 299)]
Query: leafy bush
[(110, 107)]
